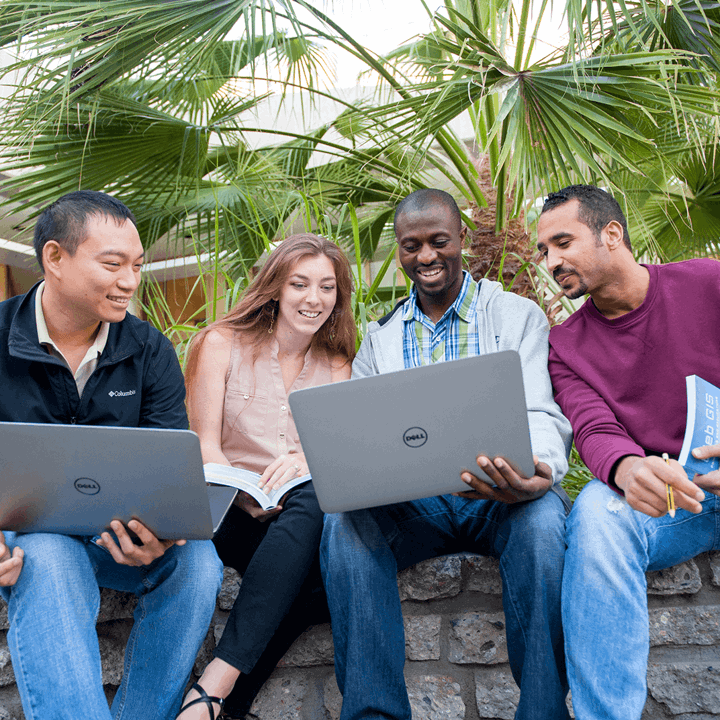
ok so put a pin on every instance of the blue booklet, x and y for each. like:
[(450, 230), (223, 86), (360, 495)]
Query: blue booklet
[(703, 425)]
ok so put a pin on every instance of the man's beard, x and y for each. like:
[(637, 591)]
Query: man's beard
[(579, 291)]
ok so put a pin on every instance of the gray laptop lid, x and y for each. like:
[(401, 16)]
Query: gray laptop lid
[(408, 434), (75, 479)]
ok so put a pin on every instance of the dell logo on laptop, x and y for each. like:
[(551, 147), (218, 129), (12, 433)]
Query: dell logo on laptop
[(414, 437), (87, 486)]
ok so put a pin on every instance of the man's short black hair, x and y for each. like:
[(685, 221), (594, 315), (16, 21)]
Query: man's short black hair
[(425, 198), (597, 208), (64, 221)]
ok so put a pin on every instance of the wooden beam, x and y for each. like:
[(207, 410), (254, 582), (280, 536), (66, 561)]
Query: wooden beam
[(4, 282)]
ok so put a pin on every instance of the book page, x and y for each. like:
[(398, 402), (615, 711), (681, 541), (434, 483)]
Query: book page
[(247, 481)]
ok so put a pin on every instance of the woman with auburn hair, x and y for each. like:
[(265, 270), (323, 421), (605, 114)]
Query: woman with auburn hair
[(292, 329)]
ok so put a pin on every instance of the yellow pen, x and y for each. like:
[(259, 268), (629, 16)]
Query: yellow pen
[(669, 491)]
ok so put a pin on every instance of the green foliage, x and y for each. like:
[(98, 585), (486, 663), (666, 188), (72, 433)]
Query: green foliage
[(577, 476), (150, 101), (221, 290)]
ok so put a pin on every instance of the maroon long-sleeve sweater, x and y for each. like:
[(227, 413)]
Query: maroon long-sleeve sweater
[(621, 383)]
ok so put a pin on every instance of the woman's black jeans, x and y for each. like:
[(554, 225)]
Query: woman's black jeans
[(281, 593)]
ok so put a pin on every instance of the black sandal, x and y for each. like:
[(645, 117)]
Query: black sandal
[(207, 699)]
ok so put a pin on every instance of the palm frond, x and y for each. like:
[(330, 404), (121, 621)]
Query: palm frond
[(68, 51)]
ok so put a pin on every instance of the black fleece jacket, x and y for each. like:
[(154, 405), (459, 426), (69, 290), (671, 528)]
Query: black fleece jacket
[(137, 382)]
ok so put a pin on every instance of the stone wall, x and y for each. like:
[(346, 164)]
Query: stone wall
[(455, 642)]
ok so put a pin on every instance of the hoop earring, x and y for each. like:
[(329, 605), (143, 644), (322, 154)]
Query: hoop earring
[(272, 320)]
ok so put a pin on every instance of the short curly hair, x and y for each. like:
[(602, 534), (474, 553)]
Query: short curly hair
[(597, 208)]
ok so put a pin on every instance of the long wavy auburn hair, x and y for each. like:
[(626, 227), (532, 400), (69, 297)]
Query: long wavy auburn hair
[(252, 315)]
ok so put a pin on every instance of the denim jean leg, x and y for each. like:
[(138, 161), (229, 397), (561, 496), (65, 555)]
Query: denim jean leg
[(605, 612), (176, 602), (531, 542), (52, 611), (360, 575)]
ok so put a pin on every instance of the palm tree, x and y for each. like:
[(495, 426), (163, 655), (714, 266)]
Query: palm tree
[(151, 105), (126, 95), (630, 103)]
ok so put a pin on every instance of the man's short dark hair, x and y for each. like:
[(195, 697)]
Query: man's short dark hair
[(597, 208), (424, 199), (64, 221)]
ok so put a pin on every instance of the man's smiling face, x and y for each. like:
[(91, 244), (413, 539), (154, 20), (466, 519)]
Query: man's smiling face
[(430, 244), (97, 282)]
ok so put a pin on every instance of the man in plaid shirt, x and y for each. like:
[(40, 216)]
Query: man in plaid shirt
[(519, 520)]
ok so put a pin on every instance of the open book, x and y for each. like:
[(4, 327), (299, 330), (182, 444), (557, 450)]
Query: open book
[(703, 425), (247, 482)]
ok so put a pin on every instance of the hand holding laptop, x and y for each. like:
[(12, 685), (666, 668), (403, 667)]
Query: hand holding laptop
[(509, 486), (126, 552), (10, 564)]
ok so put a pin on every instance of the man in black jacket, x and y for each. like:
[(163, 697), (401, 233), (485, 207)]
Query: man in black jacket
[(70, 353)]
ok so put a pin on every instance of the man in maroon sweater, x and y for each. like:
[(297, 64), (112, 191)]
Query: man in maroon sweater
[(618, 367)]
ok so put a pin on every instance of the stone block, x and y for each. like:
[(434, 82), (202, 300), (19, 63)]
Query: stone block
[(280, 699), (431, 698), (496, 694), (483, 574), (314, 647), (4, 622), (332, 699), (112, 657), (204, 655), (679, 579), (713, 557), (478, 638), (115, 605), (422, 637), (686, 688), (229, 589), (217, 630), (434, 697), (685, 625), (7, 676), (431, 579), (5, 714)]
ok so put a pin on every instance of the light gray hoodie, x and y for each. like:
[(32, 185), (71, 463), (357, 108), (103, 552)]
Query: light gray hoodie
[(507, 322)]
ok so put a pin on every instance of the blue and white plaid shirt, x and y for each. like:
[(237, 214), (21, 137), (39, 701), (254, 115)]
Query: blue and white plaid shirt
[(453, 337)]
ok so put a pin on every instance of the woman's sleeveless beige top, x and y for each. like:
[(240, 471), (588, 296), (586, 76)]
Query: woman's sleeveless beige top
[(257, 422)]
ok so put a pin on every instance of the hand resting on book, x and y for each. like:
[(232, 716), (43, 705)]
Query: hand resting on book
[(261, 496), (283, 469)]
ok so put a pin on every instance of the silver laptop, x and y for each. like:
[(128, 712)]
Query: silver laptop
[(409, 434), (75, 479)]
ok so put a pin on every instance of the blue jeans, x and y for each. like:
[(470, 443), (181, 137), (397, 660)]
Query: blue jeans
[(361, 553), (605, 612), (54, 645)]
